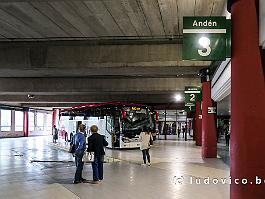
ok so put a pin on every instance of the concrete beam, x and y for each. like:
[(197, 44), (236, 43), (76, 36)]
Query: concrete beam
[(110, 40), (52, 91), (125, 71), (55, 86), (54, 100), (88, 60), (50, 106)]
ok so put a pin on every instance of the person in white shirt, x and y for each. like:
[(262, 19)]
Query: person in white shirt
[(145, 138)]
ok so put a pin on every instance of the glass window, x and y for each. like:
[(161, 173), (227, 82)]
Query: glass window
[(48, 125), (110, 125), (31, 121), (40, 121), (5, 120), (19, 118)]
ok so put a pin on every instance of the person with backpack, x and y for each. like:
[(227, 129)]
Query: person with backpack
[(96, 144), (146, 140), (78, 147)]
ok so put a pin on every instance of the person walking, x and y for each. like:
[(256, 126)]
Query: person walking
[(183, 131), (79, 142), (65, 136), (179, 131), (227, 135), (96, 144), (54, 134), (145, 139)]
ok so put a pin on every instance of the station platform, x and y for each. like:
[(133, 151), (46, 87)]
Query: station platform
[(32, 168)]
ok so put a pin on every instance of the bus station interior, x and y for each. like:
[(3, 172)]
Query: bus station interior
[(119, 64)]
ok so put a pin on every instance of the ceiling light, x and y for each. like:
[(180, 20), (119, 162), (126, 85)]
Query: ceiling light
[(30, 96), (178, 97)]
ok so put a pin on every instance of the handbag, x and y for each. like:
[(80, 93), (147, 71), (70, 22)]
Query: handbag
[(89, 157), (72, 148)]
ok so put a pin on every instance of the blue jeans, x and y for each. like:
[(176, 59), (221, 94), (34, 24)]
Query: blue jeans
[(79, 166), (146, 154), (97, 167)]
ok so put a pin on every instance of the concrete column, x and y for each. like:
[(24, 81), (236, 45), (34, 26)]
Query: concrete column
[(248, 103), (36, 121), (12, 121), (165, 124), (26, 123), (198, 124), (209, 142), (55, 117)]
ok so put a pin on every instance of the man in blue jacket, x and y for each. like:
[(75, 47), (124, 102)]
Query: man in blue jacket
[(79, 141)]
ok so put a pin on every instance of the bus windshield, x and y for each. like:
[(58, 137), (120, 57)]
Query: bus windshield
[(136, 118)]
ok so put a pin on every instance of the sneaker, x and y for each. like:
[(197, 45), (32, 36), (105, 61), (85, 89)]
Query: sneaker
[(76, 182), (83, 180), (143, 164), (149, 164), (95, 182)]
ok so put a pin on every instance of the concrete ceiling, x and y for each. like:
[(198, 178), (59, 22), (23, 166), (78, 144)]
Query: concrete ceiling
[(63, 19), (74, 51)]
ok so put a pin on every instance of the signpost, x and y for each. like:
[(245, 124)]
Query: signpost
[(229, 4), (205, 38), (262, 23), (192, 95)]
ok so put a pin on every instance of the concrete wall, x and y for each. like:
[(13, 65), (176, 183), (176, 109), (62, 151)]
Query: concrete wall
[(11, 134)]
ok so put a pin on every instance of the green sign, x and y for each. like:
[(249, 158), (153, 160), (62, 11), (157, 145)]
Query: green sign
[(192, 95), (204, 38)]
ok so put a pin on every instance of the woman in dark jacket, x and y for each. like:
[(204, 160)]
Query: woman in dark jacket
[(96, 144)]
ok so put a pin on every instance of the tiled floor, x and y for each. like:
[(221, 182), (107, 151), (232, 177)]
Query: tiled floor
[(174, 163)]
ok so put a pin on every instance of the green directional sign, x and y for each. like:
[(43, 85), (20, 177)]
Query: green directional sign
[(204, 38), (192, 95)]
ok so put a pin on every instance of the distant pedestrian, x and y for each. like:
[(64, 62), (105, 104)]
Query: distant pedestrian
[(79, 142), (179, 131), (65, 136), (54, 134), (183, 131), (227, 135), (146, 140), (71, 136), (154, 135), (219, 131), (96, 144)]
